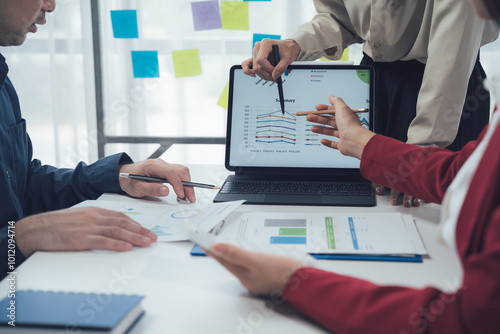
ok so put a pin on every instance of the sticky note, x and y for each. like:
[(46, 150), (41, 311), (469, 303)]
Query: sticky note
[(124, 23), (345, 56), (145, 64), (234, 15), (224, 97), (206, 15), (186, 63), (256, 0), (260, 37)]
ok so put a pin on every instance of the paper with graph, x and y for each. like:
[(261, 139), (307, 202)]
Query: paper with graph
[(166, 220), (336, 233)]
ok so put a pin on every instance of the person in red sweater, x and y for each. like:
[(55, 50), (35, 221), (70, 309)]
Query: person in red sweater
[(344, 304)]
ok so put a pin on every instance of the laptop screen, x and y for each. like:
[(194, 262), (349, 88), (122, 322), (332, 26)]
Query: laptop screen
[(259, 135)]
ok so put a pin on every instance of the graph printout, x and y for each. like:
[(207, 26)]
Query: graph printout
[(261, 136), (336, 233), (167, 220)]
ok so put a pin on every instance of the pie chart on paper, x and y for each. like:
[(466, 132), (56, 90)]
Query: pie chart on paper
[(185, 214)]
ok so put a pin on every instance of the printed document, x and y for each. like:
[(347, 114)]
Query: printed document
[(166, 220), (336, 233)]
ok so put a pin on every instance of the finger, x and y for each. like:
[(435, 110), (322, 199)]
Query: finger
[(262, 65), (176, 182), (190, 194), (338, 103), (102, 216), (279, 69), (101, 242), (417, 202), (122, 221), (327, 120), (407, 200), (175, 174), (322, 107), (330, 143), (394, 197), (247, 65), (188, 191), (108, 213), (143, 188), (322, 130), (119, 233), (379, 190), (134, 227), (255, 52)]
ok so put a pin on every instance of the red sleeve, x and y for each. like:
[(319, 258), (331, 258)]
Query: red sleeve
[(345, 304), (423, 172)]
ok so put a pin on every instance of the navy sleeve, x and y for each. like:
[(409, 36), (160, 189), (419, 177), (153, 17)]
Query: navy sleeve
[(50, 188)]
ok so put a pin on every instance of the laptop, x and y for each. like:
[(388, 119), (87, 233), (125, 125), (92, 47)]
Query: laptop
[(276, 158)]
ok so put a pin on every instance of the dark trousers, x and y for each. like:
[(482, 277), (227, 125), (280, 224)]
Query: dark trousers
[(396, 90)]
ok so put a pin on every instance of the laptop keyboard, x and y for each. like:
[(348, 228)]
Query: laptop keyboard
[(297, 188)]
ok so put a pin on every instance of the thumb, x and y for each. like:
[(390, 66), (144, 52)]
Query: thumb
[(149, 189), (336, 101)]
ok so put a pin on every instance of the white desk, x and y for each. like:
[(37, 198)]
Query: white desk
[(186, 294)]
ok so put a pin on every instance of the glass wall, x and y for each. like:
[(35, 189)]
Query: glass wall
[(54, 75)]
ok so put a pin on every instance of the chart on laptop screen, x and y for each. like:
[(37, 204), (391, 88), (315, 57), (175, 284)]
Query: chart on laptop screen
[(273, 129), (261, 135)]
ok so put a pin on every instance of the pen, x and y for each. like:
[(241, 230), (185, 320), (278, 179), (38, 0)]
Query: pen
[(159, 179), (325, 112), (276, 56)]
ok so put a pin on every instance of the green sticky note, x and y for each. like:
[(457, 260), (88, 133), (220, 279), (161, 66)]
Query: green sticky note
[(345, 56), (224, 97), (234, 15), (187, 63)]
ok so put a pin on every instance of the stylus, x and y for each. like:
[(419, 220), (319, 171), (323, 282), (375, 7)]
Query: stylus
[(276, 56)]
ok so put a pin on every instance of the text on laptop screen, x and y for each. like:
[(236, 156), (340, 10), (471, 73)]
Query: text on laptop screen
[(261, 136)]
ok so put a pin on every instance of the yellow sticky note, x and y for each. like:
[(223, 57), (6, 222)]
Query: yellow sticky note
[(186, 63), (345, 56), (234, 15), (224, 97)]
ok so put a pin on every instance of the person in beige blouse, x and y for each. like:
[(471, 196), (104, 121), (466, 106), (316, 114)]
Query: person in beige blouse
[(429, 82)]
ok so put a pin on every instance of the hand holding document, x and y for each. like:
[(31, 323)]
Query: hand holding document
[(207, 240), (375, 234)]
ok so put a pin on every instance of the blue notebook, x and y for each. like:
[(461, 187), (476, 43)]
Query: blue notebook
[(197, 251), (63, 312)]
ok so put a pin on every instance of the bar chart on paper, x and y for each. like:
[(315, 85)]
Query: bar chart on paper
[(377, 233), (287, 231)]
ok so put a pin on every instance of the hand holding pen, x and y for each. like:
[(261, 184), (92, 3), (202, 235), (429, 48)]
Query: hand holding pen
[(260, 64), (175, 174)]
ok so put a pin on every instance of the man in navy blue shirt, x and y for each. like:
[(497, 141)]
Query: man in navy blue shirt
[(35, 198)]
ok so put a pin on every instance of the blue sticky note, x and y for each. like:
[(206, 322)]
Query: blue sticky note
[(145, 64), (206, 15), (124, 23), (260, 37)]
